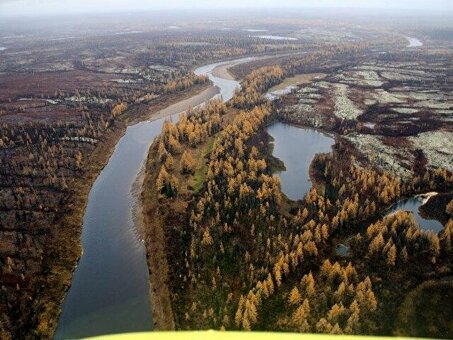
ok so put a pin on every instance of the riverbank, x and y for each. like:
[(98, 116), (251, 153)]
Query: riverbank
[(155, 243), (175, 104), (151, 227), (66, 241), (164, 110), (223, 72)]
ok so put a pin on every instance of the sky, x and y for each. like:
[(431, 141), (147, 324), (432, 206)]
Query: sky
[(46, 7)]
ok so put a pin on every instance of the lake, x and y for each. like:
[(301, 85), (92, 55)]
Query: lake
[(296, 147)]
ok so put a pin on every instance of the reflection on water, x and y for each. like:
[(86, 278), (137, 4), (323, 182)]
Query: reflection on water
[(110, 291), (412, 205), (296, 147)]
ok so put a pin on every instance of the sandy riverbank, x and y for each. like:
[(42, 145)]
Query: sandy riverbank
[(222, 71), (152, 231), (67, 240), (181, 105)]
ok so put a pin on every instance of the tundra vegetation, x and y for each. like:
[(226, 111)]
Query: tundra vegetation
[(238, 253), (242, 256), (64, 104)]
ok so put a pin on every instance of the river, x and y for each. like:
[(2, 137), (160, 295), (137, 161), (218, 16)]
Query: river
[(296, 147), (110, 286)]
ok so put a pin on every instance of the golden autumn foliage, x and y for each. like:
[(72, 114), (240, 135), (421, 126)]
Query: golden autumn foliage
[(294, 296), (184, 83), (255, 84), (341, 302), (398, 238), (252, 250), (187, 162), (167, 185), (449, 208), (118, 109)]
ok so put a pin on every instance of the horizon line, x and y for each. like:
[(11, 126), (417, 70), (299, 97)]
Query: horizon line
[(47, 14)]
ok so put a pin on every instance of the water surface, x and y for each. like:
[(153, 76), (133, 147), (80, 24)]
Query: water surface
[(414, 42), (110, 287), (413, 205), (342, 250), (274, 37), (226, 86), (296, 147)]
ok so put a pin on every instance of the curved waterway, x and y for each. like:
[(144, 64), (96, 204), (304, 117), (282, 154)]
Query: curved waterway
[(296, 147), (110, 287)]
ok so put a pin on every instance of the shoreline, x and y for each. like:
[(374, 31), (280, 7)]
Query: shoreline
[(137, 186), (222, 71), (162, 312), (156, 256), (427, 196), (67, 241)]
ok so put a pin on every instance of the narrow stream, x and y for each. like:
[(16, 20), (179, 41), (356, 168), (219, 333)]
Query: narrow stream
[(110, 287)]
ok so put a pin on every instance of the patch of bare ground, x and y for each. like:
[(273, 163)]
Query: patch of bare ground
[(298, 79), (173, 104)]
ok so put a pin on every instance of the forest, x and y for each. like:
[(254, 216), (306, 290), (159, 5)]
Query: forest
[(269, 263), (224, 246)]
